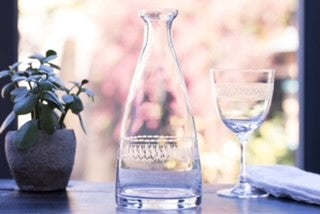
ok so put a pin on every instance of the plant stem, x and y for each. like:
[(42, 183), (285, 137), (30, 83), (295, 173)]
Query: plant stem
[(33, 114), (71, 89), (36, 115), (61, 121), (79, 90), (30, 86)]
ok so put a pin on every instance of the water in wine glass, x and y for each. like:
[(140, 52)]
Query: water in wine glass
[(243, 108)]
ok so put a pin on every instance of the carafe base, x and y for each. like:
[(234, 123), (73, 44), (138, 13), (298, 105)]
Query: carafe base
[(157, 198)]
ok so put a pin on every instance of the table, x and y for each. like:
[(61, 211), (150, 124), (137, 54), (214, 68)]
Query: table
[(95, 198)]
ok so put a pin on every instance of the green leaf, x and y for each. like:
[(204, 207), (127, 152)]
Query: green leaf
[(37, 56), (14, 66), (19, 93), (49, 58), (76, 83), (89, 93), (46, 68), (5, 92), (7, 121), (34, 78), (4, 73), (17, 99), (26, 105), (85, 81), (67, 98), (57, 82), (27, 135), (82, 124), (46, 85), (48, 119), (51, 53), (53, 98), (31, 71), (17, 78), (76, 106)]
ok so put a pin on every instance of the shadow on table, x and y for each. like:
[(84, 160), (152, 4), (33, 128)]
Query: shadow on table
[(16, 202), (121, 210), (264, 205)]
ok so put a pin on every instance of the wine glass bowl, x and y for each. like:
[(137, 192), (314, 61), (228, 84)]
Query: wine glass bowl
[(243, 99)]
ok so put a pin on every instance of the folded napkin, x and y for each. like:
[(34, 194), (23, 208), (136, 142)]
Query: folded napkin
[(286, 181)]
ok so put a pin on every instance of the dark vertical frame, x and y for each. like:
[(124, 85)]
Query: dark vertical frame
[(8, 55), (309, 64)]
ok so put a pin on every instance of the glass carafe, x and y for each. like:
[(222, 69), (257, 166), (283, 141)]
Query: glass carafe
[(158, 160)]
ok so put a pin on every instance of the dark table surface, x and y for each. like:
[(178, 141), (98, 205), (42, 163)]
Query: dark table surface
[(95, 198)]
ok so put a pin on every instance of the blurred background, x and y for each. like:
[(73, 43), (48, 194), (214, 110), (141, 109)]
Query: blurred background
[(101, 40)]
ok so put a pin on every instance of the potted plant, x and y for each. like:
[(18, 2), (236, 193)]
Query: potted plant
[(41, 152)]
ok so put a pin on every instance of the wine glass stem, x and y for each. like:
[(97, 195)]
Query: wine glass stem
[(243, 137)]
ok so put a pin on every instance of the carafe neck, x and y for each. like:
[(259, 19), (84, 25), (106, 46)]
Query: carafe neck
[(158, 31)]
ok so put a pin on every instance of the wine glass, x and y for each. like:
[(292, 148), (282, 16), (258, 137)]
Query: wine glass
[(243, 98)]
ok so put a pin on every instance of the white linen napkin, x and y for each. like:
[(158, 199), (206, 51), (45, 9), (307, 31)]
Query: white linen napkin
[(286, 181)]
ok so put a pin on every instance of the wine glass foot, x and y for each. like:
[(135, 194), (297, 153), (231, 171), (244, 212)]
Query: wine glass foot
[(242, 190)]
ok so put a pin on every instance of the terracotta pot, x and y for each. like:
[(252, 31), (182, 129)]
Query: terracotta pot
[(47, 165)]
